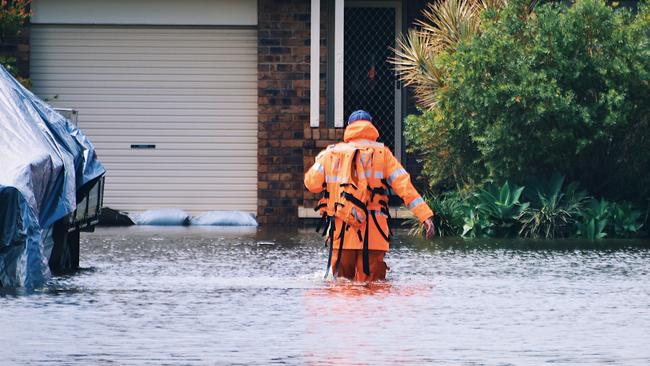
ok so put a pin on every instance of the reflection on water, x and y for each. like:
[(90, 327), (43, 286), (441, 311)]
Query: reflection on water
[(232, 296)]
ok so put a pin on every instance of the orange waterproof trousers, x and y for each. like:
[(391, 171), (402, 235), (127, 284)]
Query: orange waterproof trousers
[(351, 266)]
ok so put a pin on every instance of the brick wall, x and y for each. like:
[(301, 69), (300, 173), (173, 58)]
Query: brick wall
[(287, 145)]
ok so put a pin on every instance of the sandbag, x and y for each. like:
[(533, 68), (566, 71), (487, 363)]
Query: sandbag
[(224, 218), (162, 217)]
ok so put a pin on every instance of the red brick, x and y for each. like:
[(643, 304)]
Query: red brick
[(286, 142)]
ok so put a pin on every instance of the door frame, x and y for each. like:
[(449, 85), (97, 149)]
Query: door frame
[(399, 91)]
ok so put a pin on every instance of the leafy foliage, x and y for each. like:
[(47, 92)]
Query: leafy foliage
[(13, 15), (497, 205), (543, 209), (625, 220), (10, 64), (594, 220), (450, 210), (445, 25), (553, 210), (562, 89)]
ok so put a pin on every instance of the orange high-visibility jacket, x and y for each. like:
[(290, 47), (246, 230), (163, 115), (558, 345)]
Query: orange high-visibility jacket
[(364, 133)]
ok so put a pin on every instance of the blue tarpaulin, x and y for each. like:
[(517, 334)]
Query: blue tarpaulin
[(44, 161)]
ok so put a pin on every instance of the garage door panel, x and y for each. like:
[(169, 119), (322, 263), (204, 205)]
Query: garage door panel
[(211, 108), (218, 142), (225, 189), (167, 77), (246, 169), (172, 162), (92, 100), (164, 123), (158, 64), (145, 175), (168, 135), (162, 152), (153, 84), (136, 58), (175, 200), (171, 112), (202, 181), (85, 33), (190, 92), (117, 44), (103, 92), (146, 70)]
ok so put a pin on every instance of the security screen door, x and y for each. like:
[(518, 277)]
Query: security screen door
[(370, 30)]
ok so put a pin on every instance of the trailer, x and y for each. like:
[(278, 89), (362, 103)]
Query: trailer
[(51, 187)]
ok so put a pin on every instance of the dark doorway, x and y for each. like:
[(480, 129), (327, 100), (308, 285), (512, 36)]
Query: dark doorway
[(369, 80)]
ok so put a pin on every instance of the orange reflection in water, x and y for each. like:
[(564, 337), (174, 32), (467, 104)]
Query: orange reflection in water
[(346, 323)]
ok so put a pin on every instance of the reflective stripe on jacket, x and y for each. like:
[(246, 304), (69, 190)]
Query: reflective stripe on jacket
[(364, 133)]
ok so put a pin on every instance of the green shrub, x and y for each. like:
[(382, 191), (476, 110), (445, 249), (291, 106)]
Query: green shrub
[(601, 218), (625, 220), (553, 211), (595, 218), (563, 89), (13, 16), (546, 209), (477, 225), (449, 215), (498, 205)]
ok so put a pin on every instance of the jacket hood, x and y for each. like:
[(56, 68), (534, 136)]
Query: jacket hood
[(360, 130)]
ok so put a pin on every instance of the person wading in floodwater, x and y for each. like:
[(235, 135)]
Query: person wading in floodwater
[(353, 178)]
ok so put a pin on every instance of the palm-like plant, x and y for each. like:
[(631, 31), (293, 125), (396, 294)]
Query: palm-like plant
[(501, 206), (444, 26), (415, 63), (554, 211)]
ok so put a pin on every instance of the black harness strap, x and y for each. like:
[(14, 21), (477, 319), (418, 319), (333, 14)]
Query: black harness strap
[(324, 219), (322, 224), (354, 200), (332, 229), (383, 234), (376, 191), (320, 206), (335, 273), (366, 254)]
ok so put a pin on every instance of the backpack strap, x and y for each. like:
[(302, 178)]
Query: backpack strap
[(365, 253), (354, 200), (381, 232), (322, 224), (332, 229), (377, 191), (335, 273), (386, 212)]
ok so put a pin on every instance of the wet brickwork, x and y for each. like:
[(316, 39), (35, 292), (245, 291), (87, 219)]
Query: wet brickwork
[(287, 145)]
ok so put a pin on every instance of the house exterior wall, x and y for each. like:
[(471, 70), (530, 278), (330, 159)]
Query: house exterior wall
[(287, 145)]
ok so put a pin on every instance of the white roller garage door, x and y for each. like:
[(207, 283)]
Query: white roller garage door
[(191, 92)]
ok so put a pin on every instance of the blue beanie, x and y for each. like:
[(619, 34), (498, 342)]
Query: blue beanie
[(359, 115)]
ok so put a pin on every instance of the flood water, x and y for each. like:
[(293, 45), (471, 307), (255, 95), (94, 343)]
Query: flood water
[(212, 296)]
